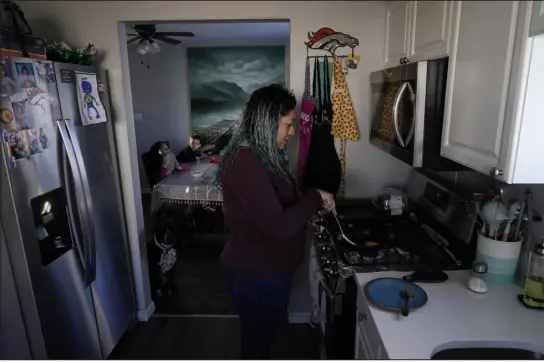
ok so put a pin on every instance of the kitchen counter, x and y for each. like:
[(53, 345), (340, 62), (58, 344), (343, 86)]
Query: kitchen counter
[(455, 317)]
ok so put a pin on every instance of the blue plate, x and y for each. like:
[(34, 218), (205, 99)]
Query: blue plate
[(386, 293)]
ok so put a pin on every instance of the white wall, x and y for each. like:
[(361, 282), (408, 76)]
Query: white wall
[(79, 22), (160, 98)]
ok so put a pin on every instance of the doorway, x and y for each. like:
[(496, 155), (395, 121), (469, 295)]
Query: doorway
[(195, 84)]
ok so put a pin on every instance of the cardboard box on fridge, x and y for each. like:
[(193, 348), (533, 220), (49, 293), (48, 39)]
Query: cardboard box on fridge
[(10, 45)]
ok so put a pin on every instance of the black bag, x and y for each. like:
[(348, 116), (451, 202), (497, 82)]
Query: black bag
[(13, 19)]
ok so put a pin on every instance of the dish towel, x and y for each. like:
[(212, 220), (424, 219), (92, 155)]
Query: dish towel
[(344, 125)]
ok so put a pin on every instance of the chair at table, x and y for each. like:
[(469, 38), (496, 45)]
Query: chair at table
[(152, 162), (180, 215)]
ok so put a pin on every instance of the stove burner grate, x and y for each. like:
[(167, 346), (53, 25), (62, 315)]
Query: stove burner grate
[(384, 257)]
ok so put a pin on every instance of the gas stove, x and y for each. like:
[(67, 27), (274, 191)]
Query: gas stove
[(391, 244), (435, 233)]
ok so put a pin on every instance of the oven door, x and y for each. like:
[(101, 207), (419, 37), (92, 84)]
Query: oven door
[(397, 114), (329, 304), (337, 320)]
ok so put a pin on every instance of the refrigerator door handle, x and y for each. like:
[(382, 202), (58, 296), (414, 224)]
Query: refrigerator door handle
[(91, 246), (81, 203), (70, 208)]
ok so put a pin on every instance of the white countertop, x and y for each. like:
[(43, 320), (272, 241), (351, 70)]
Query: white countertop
[(455, 317)]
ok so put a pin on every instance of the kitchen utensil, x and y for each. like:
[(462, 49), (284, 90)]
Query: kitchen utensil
[(494, 212), (335, 214), (385, 293), (426, 276), (519, 218), (513, 212), (406, 295), (501, 195), (528, 216)]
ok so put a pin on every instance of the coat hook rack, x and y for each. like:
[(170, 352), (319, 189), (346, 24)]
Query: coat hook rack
[(330, 41)]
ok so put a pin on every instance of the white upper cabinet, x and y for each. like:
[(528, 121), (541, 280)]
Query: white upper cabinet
[(416, 30), (429, 29), (537, 20), (396, 32), (489, 125)]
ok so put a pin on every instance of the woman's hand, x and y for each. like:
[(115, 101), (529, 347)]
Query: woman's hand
[(328, 200)]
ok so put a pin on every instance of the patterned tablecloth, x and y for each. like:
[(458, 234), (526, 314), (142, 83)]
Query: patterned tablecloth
[(194, 185)]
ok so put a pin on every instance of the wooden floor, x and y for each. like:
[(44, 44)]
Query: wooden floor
[(198, 278), (197, 275), (201, 292), (207, 338)]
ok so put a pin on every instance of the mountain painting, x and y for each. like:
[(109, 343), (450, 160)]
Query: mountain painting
[(221, 80)]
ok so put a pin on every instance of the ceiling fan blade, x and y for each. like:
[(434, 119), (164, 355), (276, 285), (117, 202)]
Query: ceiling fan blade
[(133, 40), (175, 33), (166, 39)]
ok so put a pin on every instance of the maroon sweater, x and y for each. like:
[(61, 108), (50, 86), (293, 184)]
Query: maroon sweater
[(265, 217)]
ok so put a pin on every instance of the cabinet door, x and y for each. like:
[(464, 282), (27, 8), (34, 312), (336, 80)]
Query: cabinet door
[(483, 35), (537, 19), (430, 29), (396, 33)]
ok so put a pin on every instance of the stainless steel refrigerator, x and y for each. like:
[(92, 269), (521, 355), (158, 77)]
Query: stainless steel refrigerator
[(62, 210)]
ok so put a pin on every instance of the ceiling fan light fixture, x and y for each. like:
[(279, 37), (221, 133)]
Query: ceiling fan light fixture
[(144, 47), (154, 48)]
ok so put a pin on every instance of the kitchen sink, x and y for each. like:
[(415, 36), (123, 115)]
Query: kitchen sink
[(486, 353)]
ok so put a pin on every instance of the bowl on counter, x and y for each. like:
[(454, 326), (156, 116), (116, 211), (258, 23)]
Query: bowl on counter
[(197, 174)]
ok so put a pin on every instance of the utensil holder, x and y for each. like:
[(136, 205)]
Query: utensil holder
[(501, 258)]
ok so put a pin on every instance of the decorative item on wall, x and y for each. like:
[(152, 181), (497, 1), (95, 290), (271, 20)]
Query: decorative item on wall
[(222, 78), (330, 40)]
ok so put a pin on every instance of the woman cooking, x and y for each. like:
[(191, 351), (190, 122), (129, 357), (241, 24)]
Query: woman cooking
[(265, 216)]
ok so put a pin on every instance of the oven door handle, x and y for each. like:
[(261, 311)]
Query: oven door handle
[(395, 111)]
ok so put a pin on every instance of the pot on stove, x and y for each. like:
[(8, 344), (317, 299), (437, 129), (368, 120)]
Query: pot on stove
[(391, 200)]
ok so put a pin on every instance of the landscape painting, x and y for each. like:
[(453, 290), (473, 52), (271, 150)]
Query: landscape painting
[(221, 80)]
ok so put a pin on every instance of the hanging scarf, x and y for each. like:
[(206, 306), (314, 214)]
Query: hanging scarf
[(344, 124), (307, 108)]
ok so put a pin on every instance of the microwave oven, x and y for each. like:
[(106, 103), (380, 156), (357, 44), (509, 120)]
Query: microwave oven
[(407, 112)]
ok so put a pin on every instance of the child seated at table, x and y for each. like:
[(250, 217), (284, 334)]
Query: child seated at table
[(169, 161), (159, 162), (192, 152)]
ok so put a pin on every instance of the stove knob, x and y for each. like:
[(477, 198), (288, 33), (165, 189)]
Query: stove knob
[(326, 260)]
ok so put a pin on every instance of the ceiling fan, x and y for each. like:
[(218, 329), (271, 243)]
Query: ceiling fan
[(147, 35)]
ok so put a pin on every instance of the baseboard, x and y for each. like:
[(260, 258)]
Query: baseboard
[(299, 318), (145, 314)]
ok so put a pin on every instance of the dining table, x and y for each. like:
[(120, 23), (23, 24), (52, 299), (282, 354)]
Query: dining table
[(194, 184)]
